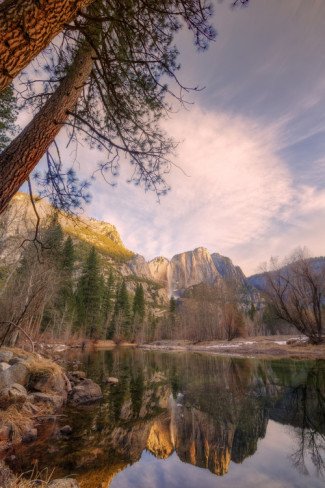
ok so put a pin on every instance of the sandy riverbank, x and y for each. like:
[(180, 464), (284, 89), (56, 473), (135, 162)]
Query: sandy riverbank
[(268, 347)]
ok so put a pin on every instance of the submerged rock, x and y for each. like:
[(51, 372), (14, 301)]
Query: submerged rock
[(66, 430), (85, 392), (76, 376)]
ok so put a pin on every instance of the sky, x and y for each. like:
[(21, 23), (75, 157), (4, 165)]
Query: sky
[(252, 145)]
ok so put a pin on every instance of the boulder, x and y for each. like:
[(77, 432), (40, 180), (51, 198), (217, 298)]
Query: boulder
[(66, 430), (85, 392), (30, 436), (15, 360), (111, 380), (80, 375), (15, 393), (64, 483), (46, 381), (5, 356), (56, 401), (18, 373), (4, 366)]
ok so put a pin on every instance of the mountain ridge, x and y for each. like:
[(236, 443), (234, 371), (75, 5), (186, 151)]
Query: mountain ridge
[(183, 270)]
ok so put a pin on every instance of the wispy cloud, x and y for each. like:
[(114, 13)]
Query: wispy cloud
[(252, 147), (236, 194)]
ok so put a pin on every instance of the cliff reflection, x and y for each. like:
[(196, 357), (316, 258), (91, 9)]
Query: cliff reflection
[(210, 411)]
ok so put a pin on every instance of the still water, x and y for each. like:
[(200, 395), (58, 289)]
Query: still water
[(186, 420)]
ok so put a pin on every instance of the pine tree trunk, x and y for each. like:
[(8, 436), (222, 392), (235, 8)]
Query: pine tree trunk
[(26, 150), (27, 27)]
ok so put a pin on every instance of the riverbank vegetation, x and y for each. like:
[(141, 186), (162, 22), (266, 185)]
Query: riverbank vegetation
[(56, 291)]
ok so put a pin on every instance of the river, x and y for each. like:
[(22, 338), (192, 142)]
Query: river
[(189, 420)]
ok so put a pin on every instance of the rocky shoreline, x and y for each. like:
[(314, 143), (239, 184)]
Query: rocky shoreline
[(33, 390)]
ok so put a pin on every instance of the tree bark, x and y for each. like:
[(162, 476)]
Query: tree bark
[(27, 27), (25, 151)]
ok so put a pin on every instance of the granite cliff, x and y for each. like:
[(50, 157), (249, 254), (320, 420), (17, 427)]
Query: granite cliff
[(161, 276)]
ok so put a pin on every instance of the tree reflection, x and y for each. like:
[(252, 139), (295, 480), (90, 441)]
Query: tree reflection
[(211, 411), (308, 407)]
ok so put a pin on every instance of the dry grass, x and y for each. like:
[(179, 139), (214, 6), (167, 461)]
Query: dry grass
[(18, 420), (20, 353), (27, 480), (39, 365), (35, 363)]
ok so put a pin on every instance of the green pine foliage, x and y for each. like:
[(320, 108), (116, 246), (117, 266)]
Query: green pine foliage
[(108, 302), (139, 303), (68, 256), (89, 297), (121, 321), (8, 115), (172, 305)]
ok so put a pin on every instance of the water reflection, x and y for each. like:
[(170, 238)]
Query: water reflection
[(249, 422)]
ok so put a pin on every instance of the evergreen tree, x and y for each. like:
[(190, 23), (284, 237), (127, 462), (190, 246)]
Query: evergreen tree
[(89, 295), (112, 329), (53, 240), (139, 302), (108, 298), (172, 305), (65, 300), (121, 318), (68, 255)]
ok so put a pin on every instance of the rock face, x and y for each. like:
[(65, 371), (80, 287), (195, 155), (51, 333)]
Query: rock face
[(139, 266), (191, 268), (159, 268), (194, 267), (19, 220), (185, 269), (227, 269)]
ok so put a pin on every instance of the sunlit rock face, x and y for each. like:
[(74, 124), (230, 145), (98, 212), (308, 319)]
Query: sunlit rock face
[(18, 222), (159, 269), (227, 269), (202, 442), (185, 269), (139, 266), (159, 440), (191, 268)]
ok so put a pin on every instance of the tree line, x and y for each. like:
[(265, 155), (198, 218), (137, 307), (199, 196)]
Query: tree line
[(291, 301), (54, 292)]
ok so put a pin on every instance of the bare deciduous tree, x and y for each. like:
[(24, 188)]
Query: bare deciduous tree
[(295, 289)]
